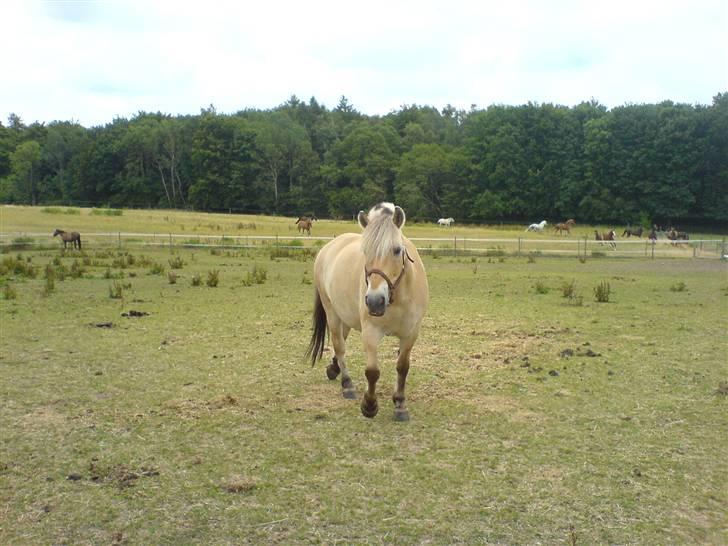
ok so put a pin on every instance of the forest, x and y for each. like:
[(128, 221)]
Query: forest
[(637, 163)]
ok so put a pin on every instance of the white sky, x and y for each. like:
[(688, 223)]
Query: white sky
[(92, 61)]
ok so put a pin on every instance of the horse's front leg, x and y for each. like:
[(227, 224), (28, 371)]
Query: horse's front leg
[(403, 363), (371, 338)]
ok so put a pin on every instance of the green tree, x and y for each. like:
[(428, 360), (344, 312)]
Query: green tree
[(24, 163)]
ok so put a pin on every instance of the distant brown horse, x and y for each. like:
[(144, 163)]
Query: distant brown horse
[(74, 237), (304, 224), (565, 226), (637, 232)]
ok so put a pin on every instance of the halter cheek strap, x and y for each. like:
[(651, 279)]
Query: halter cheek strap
[(392, 285)]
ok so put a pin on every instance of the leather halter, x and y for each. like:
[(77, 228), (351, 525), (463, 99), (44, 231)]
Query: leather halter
[(392, 285)]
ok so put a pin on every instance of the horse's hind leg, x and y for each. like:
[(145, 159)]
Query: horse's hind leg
[(403, 363), (339, 333)]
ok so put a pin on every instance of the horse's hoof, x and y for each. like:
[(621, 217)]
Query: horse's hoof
[(369, 409), (349, 394), (332, 371), (401, 414)]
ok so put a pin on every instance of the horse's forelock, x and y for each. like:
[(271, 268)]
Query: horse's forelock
[(381, 234)]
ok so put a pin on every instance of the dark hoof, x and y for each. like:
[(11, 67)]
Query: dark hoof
[(369, 409), (332, 371), (401, 414), (349, 394)]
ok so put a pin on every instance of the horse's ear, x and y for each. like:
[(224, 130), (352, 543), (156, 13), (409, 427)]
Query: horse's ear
[(362, 218), (399, 217)]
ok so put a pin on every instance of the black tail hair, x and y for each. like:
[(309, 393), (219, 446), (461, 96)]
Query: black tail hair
[(316, 347)]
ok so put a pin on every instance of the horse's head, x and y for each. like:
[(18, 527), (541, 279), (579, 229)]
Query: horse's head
[(385, 256), (58, 232)]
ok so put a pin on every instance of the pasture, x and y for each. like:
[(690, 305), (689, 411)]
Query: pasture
[(140, 411)]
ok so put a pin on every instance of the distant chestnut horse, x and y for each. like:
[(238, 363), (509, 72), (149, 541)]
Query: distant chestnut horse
[(565, 226), (304, 224), (74, 237)]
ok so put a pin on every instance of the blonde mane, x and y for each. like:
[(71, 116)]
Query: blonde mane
[(381, 234)]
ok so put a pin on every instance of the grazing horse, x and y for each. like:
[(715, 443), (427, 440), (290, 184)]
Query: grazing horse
[(537, 227), (373, 282), (565, 226), (304, 224), (446, 221), (74, 237), (637, 232)]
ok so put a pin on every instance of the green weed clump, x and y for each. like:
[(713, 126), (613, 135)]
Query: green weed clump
[(172, 277), (213, 278), (541, 287), (50, 278), (601, 292), (679, 287), (106, 212), (176, 263), (59, 210), (18, 267), (156, 269), (116, 290), (258, 275), (77, 269), (568, 289), (196, 279)]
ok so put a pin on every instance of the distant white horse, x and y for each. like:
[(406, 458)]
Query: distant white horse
[(446, 221), (537, 227)]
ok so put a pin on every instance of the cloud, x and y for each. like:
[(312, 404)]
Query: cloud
[(93, 61)]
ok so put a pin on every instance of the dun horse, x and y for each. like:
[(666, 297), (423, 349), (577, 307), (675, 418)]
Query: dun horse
[(373, 282), (74, 237)]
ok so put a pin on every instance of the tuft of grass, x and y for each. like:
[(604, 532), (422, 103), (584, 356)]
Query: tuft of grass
[(59, 210), (176, 263), (172, 277), (679, 287), (156, 269), (116, 290), (568, 289), (213, 278), (106, 212), (18, 267), (9, 292), (601, 292), (531, 259), (541, 287), (258, 275), (196, 279), (50, 280)]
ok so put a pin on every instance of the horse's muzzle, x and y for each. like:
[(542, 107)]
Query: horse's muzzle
[(376, 304)]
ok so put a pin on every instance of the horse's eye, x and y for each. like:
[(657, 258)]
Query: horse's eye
[(397, 250)]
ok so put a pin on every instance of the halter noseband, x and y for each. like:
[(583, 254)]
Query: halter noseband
[(392, 285)]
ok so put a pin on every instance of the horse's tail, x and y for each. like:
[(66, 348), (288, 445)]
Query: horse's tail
[(316, 347), (79, 242)]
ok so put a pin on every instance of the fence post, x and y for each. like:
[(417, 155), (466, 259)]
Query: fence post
[(170, 242), (120, 240), (519, 247), (455, 245), (653, 249), (722, 248)]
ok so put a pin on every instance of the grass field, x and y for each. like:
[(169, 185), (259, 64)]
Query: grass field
[(536, 418)]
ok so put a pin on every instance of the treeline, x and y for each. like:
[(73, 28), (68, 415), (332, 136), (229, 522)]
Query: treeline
[(662, 162)]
